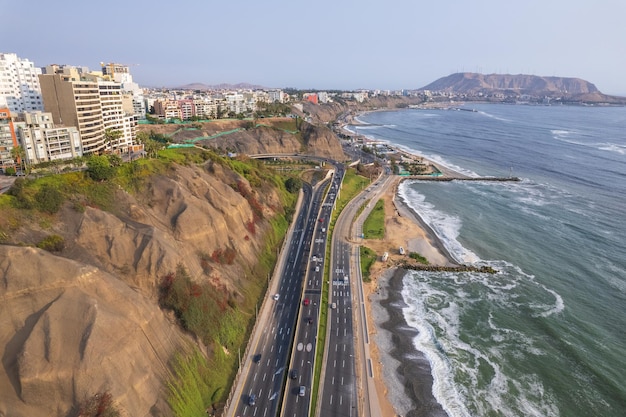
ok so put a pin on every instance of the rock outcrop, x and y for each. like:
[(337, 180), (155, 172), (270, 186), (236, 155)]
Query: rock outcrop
[(69, 330)]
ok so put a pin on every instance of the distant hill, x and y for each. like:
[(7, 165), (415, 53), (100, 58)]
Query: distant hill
[(508, 85), (223, 86)]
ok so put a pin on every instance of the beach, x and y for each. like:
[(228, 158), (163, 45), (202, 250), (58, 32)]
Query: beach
[(404, 387)]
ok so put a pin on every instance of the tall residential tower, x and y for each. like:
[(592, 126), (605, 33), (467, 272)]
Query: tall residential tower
[(19, 84)]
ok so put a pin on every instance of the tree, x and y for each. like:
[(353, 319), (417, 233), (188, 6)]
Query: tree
[(99, 168), (18, 154), (110, 137), (293, 185)]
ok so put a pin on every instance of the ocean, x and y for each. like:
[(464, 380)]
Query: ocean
[(546, 335)]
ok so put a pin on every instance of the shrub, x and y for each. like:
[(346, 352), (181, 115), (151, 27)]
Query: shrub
[(293, 185), (100, 405), (52, 243), (419, 258), (49, 199), (99, 168)]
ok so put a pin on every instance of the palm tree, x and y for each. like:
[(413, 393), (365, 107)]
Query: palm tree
[(19, 156), (110, 136)]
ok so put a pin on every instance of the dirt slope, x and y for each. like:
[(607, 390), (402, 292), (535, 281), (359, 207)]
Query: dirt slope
[(86, 320)]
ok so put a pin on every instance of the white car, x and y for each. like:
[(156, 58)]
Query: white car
[(276, 297)]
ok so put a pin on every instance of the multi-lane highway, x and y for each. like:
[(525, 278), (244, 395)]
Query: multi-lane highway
[(297, 398), (267, 363), (279, 367)]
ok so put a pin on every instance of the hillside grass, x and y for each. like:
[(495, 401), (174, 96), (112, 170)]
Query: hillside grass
[(374, 225)]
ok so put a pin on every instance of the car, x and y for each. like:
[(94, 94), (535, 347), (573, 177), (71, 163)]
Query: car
[(276, 297), (302, 391), (256, 358), (307, 301), (321, 220), (309, 320), (293, 374), (252, 399), (317, 269), (333, 305)]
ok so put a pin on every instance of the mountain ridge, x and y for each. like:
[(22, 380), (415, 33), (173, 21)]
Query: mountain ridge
[(503, 86)]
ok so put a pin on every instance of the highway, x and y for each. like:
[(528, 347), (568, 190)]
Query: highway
[(348, 384), (279, 367), (297, 400), (266, 363)]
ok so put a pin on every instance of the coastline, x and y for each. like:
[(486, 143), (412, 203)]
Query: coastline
[(403, 374), (402, 389), (406, 372)]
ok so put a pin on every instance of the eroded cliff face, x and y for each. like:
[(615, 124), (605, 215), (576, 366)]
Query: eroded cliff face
[(86, 320), (311, 140), (70, 330), (315, 140)]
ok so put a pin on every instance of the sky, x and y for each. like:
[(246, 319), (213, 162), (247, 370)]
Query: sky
[(324, 44)]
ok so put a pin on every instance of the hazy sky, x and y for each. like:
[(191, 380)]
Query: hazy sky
[(323, 44)]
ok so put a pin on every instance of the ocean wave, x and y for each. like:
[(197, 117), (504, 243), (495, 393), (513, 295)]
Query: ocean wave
[(471, 373), (444, 225), (492, 116), (566, 137)]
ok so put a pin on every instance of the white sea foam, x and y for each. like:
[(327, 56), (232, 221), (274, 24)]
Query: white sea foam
[(483, 113), (557, 307), (573, 137), (612, 147), (445, 226), (435, 305)]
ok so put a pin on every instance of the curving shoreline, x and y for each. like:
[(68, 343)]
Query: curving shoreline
[(406, 371)]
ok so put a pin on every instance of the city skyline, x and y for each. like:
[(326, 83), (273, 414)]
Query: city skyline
[(325, 45)]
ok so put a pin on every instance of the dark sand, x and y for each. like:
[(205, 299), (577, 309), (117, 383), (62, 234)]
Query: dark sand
[(406, 371)]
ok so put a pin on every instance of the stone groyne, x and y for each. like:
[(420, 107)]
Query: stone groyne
[(433, 268)]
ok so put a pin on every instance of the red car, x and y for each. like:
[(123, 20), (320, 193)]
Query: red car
[(307, 301)]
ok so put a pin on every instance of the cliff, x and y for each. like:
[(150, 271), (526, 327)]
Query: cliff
[(86, 319), (263, 136)]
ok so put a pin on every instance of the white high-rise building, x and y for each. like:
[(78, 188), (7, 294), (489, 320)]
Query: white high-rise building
[(43, 141), (121, 74), (19, 84)]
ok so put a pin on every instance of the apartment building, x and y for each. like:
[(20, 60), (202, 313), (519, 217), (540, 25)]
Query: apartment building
[(167, 109), (42, 141), (75, 101), (94, 105), (8, 140), (275, 96), (187, 109), (114, 118), (205, 109), (121, 74), (19, 84)]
